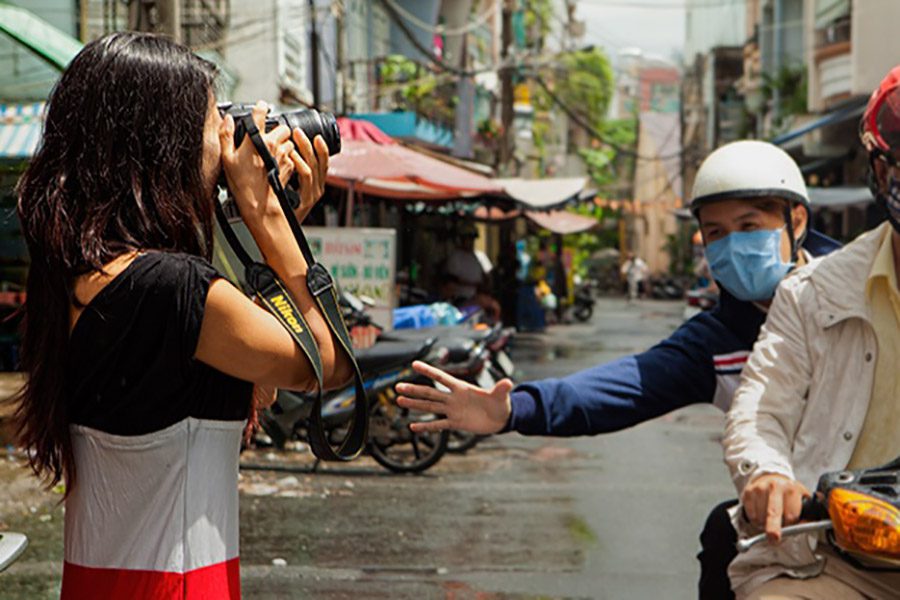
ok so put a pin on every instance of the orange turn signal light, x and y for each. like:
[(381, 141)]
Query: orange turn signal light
[(865, 524)]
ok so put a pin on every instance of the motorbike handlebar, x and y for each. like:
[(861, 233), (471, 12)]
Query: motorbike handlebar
[(814, 517)]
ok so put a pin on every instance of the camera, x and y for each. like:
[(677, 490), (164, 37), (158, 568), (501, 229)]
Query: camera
[(311, 121)]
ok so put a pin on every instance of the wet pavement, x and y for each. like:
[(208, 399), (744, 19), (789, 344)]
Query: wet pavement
[(614, 516)]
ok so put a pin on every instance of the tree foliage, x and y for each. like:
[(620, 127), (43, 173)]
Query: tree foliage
[(585, 83)]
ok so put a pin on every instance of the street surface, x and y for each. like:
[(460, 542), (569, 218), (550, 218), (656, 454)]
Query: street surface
[(614, 516)]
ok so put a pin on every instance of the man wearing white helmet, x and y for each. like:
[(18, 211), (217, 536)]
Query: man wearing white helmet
[(821, 393), (751, 203)]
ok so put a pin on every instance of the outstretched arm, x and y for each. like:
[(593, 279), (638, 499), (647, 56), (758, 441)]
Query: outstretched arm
[(677, 372)]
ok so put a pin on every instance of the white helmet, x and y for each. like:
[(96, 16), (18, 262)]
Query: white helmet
[(748, 169)]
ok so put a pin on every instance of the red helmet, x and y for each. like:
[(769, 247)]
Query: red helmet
[(879, 129)]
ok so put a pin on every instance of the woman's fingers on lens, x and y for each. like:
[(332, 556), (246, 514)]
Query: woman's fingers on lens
[(305, 148), (323, 156), (259, 112), (226, 137), (304, 173), (280, 134)]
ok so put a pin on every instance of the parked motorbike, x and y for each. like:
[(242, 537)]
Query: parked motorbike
[(391, 442), (698, 301), (583, 305), (12, 545), (666, 288), (859, 511)]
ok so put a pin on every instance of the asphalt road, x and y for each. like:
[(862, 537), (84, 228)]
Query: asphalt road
[(614, 516)]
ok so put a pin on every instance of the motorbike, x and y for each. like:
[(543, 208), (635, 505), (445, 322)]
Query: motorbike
[(699, 300), (391, 442), (12, 545), (583, 305), (471, 351), (476, 355), (666, 288), (859, 511)]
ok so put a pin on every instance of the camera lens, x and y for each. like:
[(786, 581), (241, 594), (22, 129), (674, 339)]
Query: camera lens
[(311, 121), (314, 123)]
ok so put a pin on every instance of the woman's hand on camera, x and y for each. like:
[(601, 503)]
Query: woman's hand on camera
[(310, 162), (244, 168)]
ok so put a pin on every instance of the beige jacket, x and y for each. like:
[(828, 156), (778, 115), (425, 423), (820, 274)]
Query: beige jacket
[(804, 395)]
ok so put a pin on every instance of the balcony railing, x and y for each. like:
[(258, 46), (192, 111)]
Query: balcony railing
[(836, 32)]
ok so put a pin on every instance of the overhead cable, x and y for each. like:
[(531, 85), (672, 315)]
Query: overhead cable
[(440, 29)]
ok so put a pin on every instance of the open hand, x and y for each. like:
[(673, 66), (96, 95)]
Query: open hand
[(465, 407)]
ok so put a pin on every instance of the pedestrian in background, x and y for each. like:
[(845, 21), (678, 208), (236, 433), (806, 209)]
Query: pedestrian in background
[(635, 272)]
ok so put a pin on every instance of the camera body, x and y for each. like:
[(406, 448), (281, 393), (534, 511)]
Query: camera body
[(311, 121)]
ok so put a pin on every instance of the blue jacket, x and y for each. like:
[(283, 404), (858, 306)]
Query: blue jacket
[(700, 362)]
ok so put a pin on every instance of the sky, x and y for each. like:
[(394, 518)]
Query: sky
[(655, 26)]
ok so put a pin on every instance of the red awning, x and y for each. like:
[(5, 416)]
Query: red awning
[(371, 162), (358, 130), (495, 214), (562, 222)]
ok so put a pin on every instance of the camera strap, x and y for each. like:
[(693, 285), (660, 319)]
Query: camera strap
[(276, 298)]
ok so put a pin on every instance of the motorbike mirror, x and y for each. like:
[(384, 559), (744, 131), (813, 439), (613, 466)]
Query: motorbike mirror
[(11, 546), (367, 300), (865, 524), (352, 301)]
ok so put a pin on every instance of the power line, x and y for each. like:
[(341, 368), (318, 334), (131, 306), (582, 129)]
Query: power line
[(592, 131), (440, 29), (440, 64), (664, 5)]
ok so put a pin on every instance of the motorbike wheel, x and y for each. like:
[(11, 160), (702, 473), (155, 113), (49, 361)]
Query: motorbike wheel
[(398, 449), (461, 442), (584, 312)]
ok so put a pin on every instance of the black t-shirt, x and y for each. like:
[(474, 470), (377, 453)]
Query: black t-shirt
[(131, 367)]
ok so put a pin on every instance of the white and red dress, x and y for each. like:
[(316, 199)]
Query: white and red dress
[(156, 436)]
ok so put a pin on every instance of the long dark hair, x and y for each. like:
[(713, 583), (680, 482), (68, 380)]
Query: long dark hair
[(118, 169)]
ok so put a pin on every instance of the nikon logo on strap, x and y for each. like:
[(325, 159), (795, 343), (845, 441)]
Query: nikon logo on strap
[(287, 311)]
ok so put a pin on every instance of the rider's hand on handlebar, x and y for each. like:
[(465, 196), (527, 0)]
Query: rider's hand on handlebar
[(771, 501), (465, 407)]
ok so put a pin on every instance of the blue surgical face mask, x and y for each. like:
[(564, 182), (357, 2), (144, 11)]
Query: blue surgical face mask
[(748, 263)]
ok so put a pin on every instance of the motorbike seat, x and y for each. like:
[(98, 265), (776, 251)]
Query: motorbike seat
[(459, 348), (447, 331), (386, 355)]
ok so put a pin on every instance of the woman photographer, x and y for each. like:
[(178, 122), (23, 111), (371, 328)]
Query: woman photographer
[(141, 358)]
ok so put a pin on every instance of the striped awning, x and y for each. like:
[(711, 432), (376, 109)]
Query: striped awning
[(20, 129)]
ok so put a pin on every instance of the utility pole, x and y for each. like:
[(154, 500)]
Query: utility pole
[(341, 74), (777, 50), (138, 16), (465, 91), (169, 12), (314, 52), (506, 88)]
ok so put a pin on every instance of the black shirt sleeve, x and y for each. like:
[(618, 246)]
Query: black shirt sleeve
[(131, 367)]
